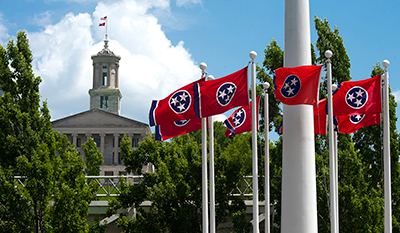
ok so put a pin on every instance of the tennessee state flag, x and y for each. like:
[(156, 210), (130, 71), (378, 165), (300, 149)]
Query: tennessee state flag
[(297, 85), (219, 95), (176, 128), (351, 123), (175, 107), (320, 117), (240, 120), (358, 97)]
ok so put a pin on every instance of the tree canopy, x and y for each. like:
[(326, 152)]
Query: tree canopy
[(54, 195)]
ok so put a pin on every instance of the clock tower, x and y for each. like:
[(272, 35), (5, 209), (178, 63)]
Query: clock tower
[(105, 94)]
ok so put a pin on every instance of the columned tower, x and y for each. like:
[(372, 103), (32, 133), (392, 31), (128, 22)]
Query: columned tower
[(105, 94)]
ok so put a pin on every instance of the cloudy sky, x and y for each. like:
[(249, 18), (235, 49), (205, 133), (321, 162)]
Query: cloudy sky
[(162, 42)]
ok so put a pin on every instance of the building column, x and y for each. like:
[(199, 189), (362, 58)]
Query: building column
[(102, 137), (116, 148), (74, 137)]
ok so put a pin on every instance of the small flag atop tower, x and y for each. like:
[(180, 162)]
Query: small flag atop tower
[(104, 24)]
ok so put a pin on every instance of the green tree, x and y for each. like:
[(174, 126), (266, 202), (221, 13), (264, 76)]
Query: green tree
[(54, 196), (175, 190), (93, 157)]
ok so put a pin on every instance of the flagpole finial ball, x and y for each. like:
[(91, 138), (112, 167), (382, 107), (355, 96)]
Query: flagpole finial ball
[(203, 66), (328, 54), (334, 87), (385, 63), (266, 85), (210, 77), (253, 55)]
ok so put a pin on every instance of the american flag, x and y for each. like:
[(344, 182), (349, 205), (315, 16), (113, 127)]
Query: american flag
[(103, 18)]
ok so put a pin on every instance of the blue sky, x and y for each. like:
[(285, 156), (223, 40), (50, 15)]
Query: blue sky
[(162, 42)]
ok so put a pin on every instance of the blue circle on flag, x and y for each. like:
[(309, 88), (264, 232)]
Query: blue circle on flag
[(180, 101), (239, 118), (181, 122), (356, 97), (225, 93), (291, 87), (355, 119)]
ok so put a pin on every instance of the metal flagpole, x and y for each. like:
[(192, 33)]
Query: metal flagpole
[(332, 159), (335, 134), (203, 66), (212, 178), (106, 27), (253, 55), (299, 192), (386, 151), (266, 155)]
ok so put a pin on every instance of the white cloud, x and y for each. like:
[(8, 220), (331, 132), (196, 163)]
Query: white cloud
[(396, 95), (220, 118), (4, 36), (187, 2), (42, 19), (150, 67)]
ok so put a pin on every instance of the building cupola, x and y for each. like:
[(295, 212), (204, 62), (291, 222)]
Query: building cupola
[(105, 94)]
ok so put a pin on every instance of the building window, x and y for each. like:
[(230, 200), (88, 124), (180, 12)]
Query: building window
[(97, 141), (78, 142), (135, 143), (105, 71), (103, 101), (122, 173), (108, 173), (119, 158)]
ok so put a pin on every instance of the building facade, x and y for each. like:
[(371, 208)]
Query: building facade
[(103, 121)]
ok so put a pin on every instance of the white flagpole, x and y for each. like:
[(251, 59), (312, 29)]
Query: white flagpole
[(253, 55), (332, 159), (299, 192), (266, 155), (336, 180), (335, 134), (203, 66), (386, 151), (212, 176)]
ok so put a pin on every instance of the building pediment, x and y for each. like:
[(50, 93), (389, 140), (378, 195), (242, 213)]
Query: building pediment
[(96, 118)]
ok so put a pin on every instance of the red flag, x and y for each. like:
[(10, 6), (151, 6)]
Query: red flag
[(102, 24), (219, 95), (358, 97), (240, 120), (173, 129), (351, 123), (297, 85), (175, 107), (320, 121)]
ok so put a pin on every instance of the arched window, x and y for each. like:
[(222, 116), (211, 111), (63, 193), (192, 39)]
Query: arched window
[(104, 74)]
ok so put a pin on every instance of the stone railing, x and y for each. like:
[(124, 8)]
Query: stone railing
[(109, 186)]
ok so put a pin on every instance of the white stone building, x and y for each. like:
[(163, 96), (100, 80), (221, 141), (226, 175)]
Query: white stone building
[(103, 121)]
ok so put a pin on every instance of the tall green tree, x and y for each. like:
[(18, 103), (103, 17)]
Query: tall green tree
[(94, 159), (54, 196)]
